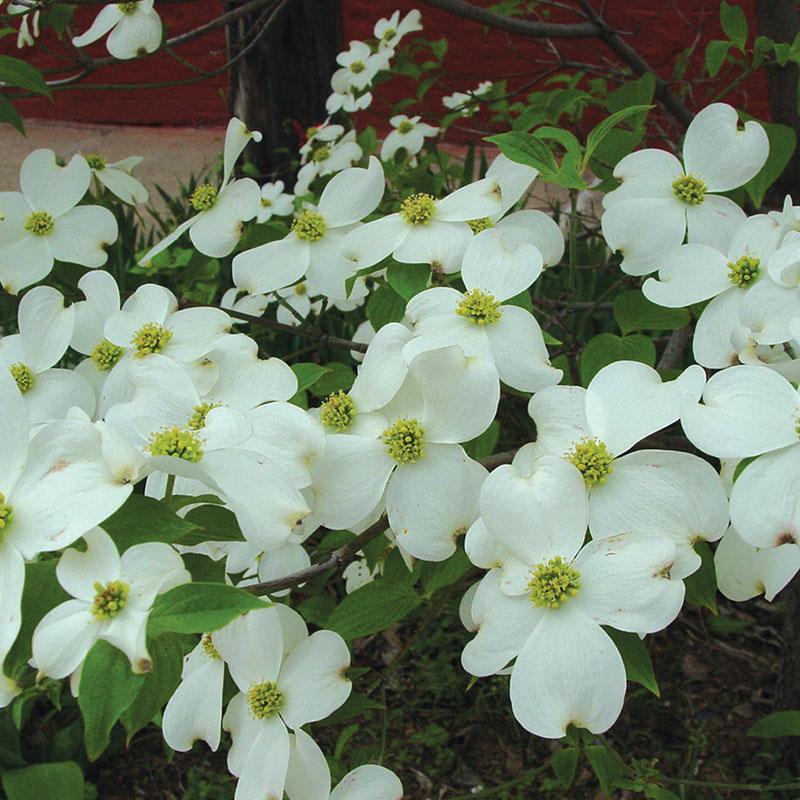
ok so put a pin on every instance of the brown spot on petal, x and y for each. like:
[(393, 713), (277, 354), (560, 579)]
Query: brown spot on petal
[(59, 466), (788, 536)]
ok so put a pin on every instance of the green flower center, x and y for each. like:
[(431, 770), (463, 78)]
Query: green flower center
[(405, 126), (418, 209), (338, 411), (689, 189), (300, 289), (6, 512), (176, 442), (592, 458), (208, 647), (198, 419), (106, 354), (109, 600), (265, 699), (23, 375), (357, 66), (127, 8), (389, 34), (320, 154), (96, 161), (404, 441), (150, 338), (39, 223), (310, 226), (744, 271), (553, 583), (479, 307), (266, 202), (481, 224), (203, 197)]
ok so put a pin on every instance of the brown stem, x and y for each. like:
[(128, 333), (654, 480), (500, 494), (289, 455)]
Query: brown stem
[(676, 344)]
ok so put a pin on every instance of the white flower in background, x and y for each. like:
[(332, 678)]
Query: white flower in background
[(567, 668), (44, 222), (327, 159), (135, 29), (348, 101), (274, 202), (426, 230), (45, 329), (54, 487), (112, 597), (661, 198), (408, 134), (117, 177), (369, 782), (479, 322), (357, 574), (364, 334), (461, 102), (28, 33), (221, 213), (319, 137), (298, 298), (286, 679), (313, 246), (744, 571), (390, 31), (234, 300), (408, 451), (358, 67), (679, 494)]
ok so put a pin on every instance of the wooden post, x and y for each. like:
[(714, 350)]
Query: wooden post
[(284, 78)]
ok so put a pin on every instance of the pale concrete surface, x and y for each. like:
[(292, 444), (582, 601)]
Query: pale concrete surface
[(171, 155)]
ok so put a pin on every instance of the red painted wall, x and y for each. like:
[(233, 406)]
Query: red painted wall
[(659, 30)]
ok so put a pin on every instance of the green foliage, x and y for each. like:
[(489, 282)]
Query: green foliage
[(144, 519), (385, 305), (634, 312), (59, 781), (773, 726), (605, 348), (701, 586), (638, 667)]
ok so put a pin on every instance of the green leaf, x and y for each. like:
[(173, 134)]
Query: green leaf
[(701, 586), (525, 148), (372, 608), (199, 608), (144, 519), (638, 667), (607, 766), (41, 593), (632, 93), (58, 781), (634, 312), (10, 114), (408, 279), (782, 143), (734, 24), (716, 53), (564, 763), (159, 683), (742, 466), (307, 374), (440, 574), (22, 75), (604, 128), (385, 305), (58, 16), (338, 377), (781, 723), (212, 523), (606, 348), (107, 688)]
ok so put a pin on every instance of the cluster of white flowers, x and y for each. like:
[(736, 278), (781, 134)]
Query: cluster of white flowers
[(591, 524)]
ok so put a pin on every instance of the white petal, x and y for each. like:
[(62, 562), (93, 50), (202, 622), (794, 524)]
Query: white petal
[(25, 262), (626, 401), (313, 679), (271, 266), (536, 228), (48, 187), (236, 139), (746, 410), (352, 194), (108, 17), (645, 175), (45, 325), (152, 568), (12, 582), (560, 416), (78, 571), (714, 222), (712, 344), (216, 232), (501, 268), (383, 369), (369, 781), (475, 200), (134, 33), (626, 581), (309, 777), (368, 244), (263, 773), (716, 151), (568, 673), (688, 274), (63, 638), (440, 244)]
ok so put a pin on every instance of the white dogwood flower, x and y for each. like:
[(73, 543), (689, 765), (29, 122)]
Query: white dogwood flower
[(117, 178), (409, 134), (221, 213), (274, 202), (556, 597), (28, 25), (112, 597), (661, 198), (45, 329), (358, 66), (44, 223), (313, 246), (389, 31), (135, 29), (327, 158)]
